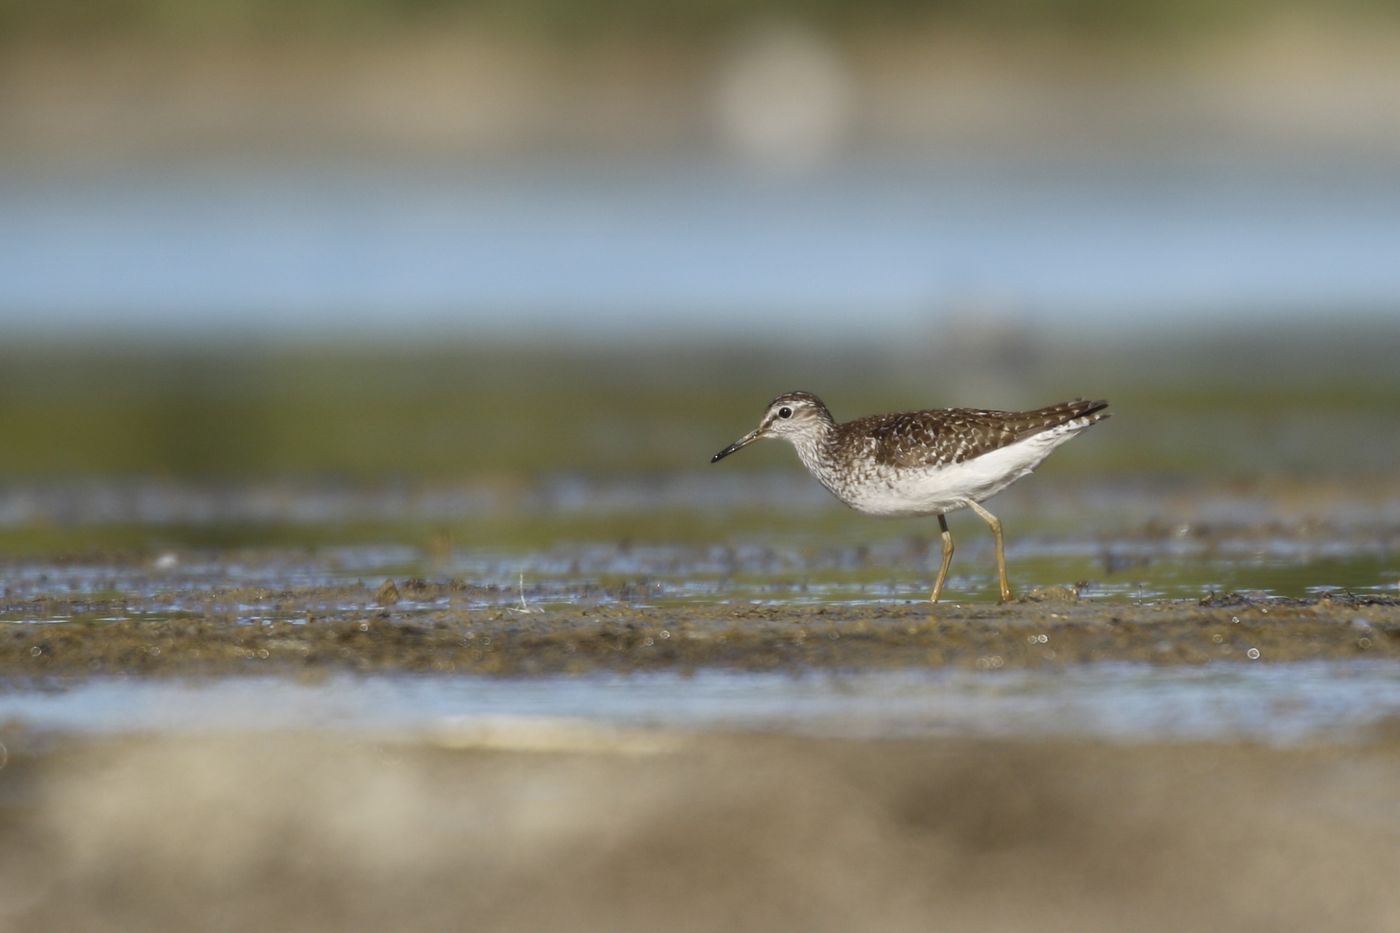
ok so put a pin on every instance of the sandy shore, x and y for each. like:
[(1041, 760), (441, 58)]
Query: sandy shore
[(314, 832)]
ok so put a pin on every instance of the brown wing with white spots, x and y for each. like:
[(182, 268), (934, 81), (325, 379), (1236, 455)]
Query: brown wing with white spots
[(953, 435)]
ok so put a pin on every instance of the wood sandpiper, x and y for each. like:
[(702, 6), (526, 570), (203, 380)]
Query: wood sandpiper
[(922, 462)]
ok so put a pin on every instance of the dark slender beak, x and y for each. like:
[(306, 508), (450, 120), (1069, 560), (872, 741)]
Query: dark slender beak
[(744, 441)]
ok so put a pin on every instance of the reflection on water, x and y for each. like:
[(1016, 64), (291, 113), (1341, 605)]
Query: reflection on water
[(711, 537), (1280, 703), (344, 581)]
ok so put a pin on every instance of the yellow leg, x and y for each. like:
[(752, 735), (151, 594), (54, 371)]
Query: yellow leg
[(947, 559), (995, 524)]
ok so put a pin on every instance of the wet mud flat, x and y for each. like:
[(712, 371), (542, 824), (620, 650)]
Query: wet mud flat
[(571, 822), (421, 630), (631, 831)]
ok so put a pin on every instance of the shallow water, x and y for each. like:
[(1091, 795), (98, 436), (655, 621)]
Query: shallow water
[(153, 548), (759, 548), (817, 568), (1280, 704)]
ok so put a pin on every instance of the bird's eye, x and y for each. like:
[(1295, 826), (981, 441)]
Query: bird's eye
[(784, 412)]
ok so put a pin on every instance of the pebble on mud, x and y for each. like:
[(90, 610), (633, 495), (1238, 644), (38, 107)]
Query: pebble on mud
[(1052, 594), (388, 594)]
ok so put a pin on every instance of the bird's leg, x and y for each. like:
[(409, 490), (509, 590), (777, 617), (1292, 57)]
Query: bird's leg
[(995, 524), (947, 559)]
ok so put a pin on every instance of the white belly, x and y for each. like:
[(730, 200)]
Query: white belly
[(936, 489)]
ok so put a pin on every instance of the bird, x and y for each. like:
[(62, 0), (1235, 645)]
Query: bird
[(922, 463)]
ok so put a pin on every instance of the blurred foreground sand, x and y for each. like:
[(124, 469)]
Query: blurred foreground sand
[(647, 832)]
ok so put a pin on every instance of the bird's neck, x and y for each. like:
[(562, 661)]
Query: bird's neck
[(816, 449)]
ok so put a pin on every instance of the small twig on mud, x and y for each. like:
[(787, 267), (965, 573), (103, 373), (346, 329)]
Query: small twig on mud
[(523, 607)]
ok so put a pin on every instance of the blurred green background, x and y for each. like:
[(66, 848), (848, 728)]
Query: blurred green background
[(487, 244), (1236, 407), (687, 18)]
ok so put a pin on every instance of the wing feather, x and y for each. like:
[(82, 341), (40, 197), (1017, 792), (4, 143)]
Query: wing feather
[(954, 435)]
